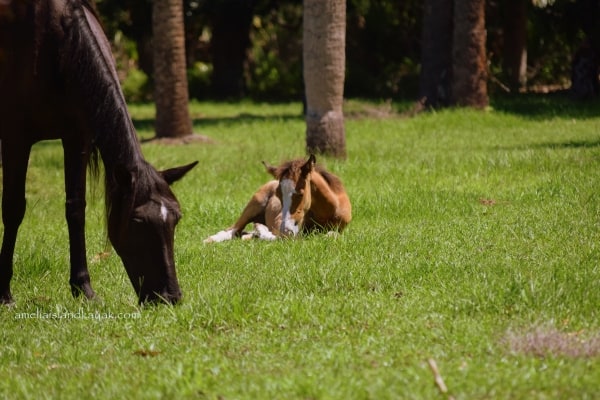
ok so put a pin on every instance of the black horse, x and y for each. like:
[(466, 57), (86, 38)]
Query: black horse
[(58, 81)]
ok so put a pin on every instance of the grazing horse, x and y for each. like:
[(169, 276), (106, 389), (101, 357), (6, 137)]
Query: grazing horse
[(302, 198), (58, 81)]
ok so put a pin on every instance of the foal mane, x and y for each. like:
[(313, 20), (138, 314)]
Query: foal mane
[(290, 169), (333, 181)]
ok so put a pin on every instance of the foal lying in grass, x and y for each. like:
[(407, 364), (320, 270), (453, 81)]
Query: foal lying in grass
[(302, 198)]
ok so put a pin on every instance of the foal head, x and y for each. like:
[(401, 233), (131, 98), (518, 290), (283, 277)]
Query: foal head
[(293, 192), (141, 227)]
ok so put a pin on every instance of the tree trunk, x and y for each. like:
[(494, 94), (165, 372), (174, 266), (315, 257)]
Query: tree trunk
[(469, 61), (170, 79), (584, 72), (324, 38), (586, 61), (229, 45), (515, 43), (436, 53)]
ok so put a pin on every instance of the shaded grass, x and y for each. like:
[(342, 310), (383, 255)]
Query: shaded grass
[(468, 228)]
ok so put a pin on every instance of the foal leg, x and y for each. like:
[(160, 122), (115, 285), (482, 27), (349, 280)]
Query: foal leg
[(15, 158), (253, 212), (76, 158)]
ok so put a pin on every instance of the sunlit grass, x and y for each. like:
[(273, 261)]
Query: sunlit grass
[(471, 230)]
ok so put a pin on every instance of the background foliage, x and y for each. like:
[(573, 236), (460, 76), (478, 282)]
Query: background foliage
[(383, 45)]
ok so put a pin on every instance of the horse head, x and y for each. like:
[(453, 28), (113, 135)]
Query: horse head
[(294, 192), (141, 228)]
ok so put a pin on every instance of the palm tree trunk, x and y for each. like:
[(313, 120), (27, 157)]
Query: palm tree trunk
[(324, 55), (170, 79)]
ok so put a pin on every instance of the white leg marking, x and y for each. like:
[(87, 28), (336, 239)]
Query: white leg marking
[(262, 232), (220, 236)]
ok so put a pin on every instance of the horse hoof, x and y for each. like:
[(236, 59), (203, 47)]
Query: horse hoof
[(7, 299), (85, 289)]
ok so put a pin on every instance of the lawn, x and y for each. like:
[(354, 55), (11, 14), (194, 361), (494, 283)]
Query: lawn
[(473, 257)]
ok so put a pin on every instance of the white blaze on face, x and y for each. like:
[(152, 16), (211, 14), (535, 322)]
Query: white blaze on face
[(163, 212), (288, 225)]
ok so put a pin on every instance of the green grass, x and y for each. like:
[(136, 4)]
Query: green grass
[(472, 232)]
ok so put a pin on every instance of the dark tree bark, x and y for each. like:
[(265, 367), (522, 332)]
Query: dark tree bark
[(469, 60), (229, 47), (140, 30), (584, 72), (436, 53), (515, 43), (170, 79), (586, 61)]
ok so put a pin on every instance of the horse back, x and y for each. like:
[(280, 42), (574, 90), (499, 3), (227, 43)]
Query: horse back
[(33, 89)]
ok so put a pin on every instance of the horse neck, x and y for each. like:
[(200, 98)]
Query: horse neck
[(120, 147)]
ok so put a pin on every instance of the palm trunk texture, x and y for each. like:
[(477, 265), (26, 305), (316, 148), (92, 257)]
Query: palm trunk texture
[(324, 56), (170, 79)]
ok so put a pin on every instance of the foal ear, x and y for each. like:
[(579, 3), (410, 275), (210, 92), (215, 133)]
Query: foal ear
[(174, 174), (270, 169), (309, 165)]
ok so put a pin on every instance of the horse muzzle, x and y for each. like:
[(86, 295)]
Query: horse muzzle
[(172, 296)]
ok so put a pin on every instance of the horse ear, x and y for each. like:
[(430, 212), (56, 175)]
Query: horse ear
[(174, 174), (270, 169), (309, 165)]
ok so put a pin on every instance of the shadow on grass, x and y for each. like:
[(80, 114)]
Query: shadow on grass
[(148, 123), (546, 105), (569, 145), (574, 144), (536, 106)]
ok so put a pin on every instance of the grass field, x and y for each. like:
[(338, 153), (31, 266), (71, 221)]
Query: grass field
[(475, 245)]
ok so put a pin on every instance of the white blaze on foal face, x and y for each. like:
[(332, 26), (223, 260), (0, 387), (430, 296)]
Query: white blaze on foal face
[(288, 225)]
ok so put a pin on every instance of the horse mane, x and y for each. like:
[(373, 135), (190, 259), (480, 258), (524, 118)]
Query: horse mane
[(332, 180), (85, 61), (84, 64), (291, 167)]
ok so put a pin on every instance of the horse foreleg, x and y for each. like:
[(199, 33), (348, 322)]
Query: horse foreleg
[(273, 217), (253, 212), (76, 158), (15, 159)]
